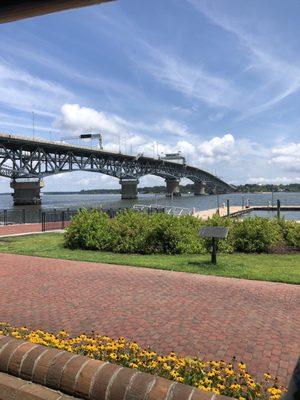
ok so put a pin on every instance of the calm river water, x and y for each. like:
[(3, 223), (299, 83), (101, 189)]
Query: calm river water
[(72, 201)]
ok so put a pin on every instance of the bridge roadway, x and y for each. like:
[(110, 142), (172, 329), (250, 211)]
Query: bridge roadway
[(23, 157)]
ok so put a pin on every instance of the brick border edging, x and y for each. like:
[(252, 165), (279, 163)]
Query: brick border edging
[(86, 378), (12, 388)]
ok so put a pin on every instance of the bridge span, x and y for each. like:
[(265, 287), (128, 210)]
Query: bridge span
[(26, 161)]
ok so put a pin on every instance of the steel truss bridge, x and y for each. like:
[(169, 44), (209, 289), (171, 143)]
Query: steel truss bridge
[(22, 157)]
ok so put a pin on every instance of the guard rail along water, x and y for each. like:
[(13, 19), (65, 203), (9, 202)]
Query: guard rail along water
[(172, 210)]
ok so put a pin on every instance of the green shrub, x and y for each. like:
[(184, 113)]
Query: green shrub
[(89, 230), (291, 233), (173, 235), (133, 232), (256, 235), (129, 230)]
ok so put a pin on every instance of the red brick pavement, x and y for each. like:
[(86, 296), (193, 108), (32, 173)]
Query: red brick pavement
[(213, 317), (19, 228), (6, 230)]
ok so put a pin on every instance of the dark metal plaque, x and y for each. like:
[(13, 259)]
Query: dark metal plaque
[(219, 232)]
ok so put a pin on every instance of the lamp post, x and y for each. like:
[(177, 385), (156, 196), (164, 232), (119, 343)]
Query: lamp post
[(218, 200)]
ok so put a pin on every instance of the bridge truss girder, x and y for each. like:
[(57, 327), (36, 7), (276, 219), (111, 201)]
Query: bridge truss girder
[(40, 161)]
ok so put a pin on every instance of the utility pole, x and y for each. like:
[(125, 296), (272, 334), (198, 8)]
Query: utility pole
[(218, 202), (33, 124)]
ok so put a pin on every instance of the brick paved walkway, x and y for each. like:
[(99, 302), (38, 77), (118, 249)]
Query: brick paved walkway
[(19, 228), (24, 229), (214, 317)]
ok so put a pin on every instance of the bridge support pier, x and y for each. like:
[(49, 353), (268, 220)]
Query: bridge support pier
[(199, 188), (211, 189), (129, 189), (172, 188), (27, 192)]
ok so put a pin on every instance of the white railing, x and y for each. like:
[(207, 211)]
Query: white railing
[(171, 210)]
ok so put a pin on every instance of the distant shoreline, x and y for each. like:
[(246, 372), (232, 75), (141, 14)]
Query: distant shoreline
[(157, 193), (187, 189)]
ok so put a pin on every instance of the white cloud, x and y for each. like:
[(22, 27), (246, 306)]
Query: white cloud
[(87, 181), (174, 127), (278, 78), (24, 91), (193, 81), (287, 156), (211, 151), (277, 180), (217, 147), (40, 55), (75, 118)]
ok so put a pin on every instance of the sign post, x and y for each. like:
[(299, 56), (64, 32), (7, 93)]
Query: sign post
[(228, 207), (278, 209), (214, 232)]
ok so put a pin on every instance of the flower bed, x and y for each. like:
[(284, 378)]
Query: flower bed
[(231, 379)]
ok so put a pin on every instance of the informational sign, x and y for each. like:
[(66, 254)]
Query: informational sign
[(214, 232), (218, 232)]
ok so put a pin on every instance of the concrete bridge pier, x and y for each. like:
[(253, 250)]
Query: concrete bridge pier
[(172, 188), (129, 188), (211, 189), (27, 192), (199, 188)]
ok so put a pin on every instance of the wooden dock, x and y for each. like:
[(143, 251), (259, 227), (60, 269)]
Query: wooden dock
[(237, 211), (205, 214)]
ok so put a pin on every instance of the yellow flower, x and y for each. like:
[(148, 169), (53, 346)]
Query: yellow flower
[(242, 366), (203, 388), (166, 366), (215, 376), (229, 371)]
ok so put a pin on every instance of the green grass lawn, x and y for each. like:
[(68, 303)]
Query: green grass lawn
[(266, 267)]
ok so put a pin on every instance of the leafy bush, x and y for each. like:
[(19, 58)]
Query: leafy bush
[(173, 235), (291, 233), (89, 230), (129, 230), (133, 232), (256, 235)]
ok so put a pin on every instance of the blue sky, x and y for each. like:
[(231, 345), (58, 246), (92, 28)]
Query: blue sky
[(217, 80)]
